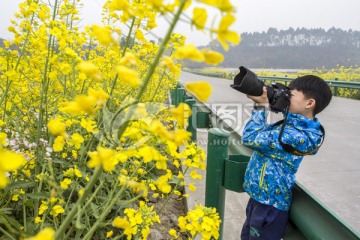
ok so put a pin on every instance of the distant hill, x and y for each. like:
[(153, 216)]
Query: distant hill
[(300, 48)]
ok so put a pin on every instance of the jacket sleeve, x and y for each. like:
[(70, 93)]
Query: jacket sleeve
[(253, 127), (259, 137)]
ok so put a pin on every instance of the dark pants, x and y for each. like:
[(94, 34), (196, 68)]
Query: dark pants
[(263, 222)]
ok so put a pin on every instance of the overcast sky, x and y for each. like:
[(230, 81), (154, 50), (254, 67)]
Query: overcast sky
[(252, 15)]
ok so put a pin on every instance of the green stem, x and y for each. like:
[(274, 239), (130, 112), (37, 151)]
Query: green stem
[(41, 111), (152, 68), (158, 86), (93, 195), (24, 214), (104, 214), (117, 114), (97, 173), (6, 234), (122, 55), (108, 209), (128, 37), (169, 195)]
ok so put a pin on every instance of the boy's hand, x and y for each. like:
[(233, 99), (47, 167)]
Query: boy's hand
[(260, 99)]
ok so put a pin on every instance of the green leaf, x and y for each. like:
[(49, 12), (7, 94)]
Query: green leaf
[(61, 161), (95, 210), (19, 184), (7, 211), (40, 195), (6, 219)]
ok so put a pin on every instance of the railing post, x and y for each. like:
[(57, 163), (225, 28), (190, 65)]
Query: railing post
[(336, 88), (217, 153), (173, 96), (192, 119), (180, 94)]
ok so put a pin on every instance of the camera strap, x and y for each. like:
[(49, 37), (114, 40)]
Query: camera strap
[(290, 149)]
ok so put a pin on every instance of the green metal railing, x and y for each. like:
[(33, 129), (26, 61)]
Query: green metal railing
[(226, 164), (335, 84)]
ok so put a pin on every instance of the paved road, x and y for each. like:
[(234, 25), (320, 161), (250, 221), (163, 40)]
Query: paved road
[(332, 175)]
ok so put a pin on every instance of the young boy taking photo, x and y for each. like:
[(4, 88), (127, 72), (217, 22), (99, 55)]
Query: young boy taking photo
[(270, 174)]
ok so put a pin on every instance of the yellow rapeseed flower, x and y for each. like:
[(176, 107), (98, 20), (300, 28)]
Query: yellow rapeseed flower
[(38, 220), (192, 187), (129, 60), (44, 234), (181, 113), (3, 137), (212, 57), (9, 161), (85, 104), (43, 207), (119, 222), (100, 96), (15, 197), (223, 5), (169, 64), (128, 76), (201, 90), (103, 35), (105, 157), (90, 69), (89, 125), (56, 210), (56, 127), (224, 34), (59, 143), (65, 183), (139, 35), (76, 140), (109, 234), (189, 52), (119, 5), (199, 18), (172, 232)]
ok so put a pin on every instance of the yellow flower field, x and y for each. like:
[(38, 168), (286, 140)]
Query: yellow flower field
[(86, 135)]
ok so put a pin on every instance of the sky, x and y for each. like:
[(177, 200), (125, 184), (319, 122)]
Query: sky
[(251, 15)]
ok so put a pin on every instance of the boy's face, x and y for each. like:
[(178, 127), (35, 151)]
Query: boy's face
[(299, 104)]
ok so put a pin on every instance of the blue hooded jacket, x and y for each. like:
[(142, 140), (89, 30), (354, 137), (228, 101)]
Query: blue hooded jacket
[(270, 174)]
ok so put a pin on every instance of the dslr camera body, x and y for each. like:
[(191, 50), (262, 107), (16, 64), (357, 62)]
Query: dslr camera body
[(278, 94)]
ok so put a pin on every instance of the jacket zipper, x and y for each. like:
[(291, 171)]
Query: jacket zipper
[(262, 173)]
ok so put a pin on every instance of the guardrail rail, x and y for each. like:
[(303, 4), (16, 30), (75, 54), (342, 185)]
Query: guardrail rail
[(226, 164)]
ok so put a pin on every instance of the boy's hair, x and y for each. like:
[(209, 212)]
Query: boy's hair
[(313, 87)]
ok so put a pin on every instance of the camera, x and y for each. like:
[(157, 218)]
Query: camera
[(278, 94)]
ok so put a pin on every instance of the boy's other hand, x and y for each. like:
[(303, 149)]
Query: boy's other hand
[(260, 99)]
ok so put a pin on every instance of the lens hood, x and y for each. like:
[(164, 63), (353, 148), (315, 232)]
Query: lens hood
[(247, 82)]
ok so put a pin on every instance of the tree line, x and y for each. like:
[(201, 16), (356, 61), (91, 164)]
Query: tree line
[(292, 48)]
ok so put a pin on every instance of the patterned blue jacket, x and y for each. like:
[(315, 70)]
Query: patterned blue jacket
[(270, 174)]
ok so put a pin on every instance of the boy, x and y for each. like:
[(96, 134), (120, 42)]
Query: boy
[(270, 174)]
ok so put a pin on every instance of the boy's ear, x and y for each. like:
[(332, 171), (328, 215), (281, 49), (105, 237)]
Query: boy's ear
[(311, 103)]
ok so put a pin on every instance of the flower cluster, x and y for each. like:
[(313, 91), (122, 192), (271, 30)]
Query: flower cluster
[(202, 220), (136, 222)]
